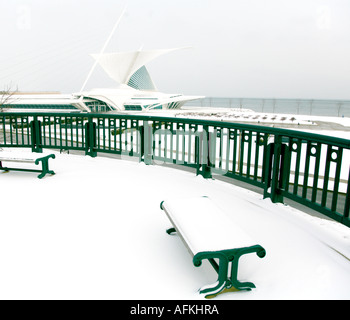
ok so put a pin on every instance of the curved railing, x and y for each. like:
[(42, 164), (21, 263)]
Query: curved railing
[(308, 168)]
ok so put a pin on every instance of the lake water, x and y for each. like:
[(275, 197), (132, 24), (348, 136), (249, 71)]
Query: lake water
[(334, 108)]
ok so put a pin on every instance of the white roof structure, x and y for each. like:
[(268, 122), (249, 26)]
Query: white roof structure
[(121, 66), (136, 90)]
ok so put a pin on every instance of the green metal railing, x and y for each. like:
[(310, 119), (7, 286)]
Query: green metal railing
[(308, 168)]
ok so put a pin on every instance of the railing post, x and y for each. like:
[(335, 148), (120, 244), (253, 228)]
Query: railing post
[(203, 159), (275, 192), (267, 168), (347, 202), (35, 135), (90, 138), (142, 144), (146, 143), (276, 170)]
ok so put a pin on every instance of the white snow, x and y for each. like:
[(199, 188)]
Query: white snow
[(14, 156), (95, 230), (246, 115), (204, 226)]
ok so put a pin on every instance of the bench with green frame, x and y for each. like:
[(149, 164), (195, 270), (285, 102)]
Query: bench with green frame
[(25, 157), (208, 233)]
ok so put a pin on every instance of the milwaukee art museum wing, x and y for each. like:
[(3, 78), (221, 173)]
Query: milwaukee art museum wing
[(121, 66), (136, 90)]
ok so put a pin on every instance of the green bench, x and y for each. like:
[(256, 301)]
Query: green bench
[(208, 233), (35, 158)]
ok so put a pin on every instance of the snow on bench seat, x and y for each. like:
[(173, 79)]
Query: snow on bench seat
[(18, 156), (204, 226), (209, 233)]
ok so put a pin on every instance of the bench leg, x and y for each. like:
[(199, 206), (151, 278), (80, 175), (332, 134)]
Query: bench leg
[(228, 261), (3, 168), (45, 165), (233, 279), (221, 284), (170, 230)]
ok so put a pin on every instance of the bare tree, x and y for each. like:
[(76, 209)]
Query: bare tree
[(7, 96)]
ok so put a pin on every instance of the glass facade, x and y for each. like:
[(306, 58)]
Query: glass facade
[(40, 106), (132, 107), (97, 106)]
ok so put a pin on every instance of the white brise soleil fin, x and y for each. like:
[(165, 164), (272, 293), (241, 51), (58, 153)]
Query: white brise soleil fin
[(129, 67)]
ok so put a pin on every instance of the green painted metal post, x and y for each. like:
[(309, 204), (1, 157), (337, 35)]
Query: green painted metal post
[(267, 168), (35, 134), (347, 203), (203, 167), (275, 192), (147, 143), (197, 153), (90, 138), (142, 146), (276, 170), (284, 168)]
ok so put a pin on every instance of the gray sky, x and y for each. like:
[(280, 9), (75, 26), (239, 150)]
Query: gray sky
[(241, 48)]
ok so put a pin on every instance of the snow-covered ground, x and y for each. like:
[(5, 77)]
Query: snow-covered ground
[(95, 230)]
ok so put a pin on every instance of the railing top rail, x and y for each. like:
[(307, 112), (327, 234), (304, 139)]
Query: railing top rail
[(340, 142)]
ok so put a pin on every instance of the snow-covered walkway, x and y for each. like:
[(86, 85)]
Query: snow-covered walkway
[(95, 231)]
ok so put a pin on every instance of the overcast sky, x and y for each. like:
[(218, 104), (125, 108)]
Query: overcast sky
[(240, 48)]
